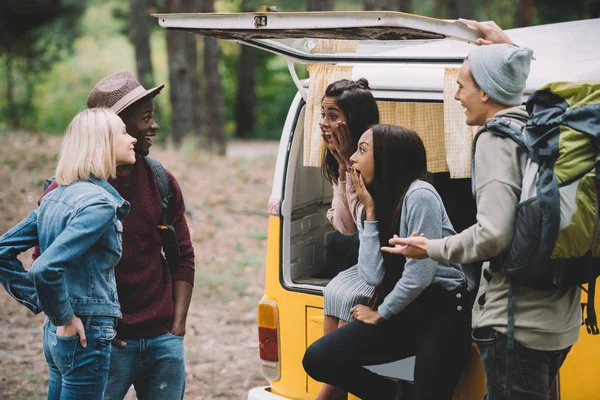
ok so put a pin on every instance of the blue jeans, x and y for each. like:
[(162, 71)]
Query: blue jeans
[(77, 372), (533, 372), (154, 366)]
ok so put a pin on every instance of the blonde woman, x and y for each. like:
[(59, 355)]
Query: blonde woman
[(78, 227)]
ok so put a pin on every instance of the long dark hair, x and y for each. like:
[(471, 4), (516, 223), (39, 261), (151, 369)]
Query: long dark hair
[(355, 100), (399, 159)]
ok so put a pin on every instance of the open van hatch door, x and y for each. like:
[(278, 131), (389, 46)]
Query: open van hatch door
[(295, 34)]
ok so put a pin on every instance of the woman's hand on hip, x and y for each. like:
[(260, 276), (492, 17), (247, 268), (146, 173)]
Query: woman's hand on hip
[(73, 328), (366, 314)]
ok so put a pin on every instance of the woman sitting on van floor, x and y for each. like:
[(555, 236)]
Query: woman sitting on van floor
[(348, 109), (78, 227), (419, 307)]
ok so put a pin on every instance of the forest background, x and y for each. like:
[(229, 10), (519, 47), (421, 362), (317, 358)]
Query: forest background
[(53, 51)]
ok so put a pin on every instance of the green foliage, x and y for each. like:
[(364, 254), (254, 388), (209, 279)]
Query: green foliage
[(274, 91), (100, 52), (35, 35), (503, 12), (50, 91), (551, 11)]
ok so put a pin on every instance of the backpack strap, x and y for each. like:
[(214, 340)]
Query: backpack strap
[(164, 187), (48, 182), (166, 231), (511, 360), (590, 321), (503, 127)]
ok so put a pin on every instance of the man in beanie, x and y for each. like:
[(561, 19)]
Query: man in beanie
[(154, 294), (547, 322)]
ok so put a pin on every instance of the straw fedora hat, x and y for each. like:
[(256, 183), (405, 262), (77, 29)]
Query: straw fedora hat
[(118, 91)]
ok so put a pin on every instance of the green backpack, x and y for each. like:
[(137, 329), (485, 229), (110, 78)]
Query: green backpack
[(556, 239)]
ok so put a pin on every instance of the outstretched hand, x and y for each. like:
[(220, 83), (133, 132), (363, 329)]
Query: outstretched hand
[(414, 246), (492, 33)]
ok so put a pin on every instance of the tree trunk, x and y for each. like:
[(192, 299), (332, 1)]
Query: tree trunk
[(11, 106), (319, 5), (461, 9), (184, 87), (437, 9), (370, 5), (380, 5), (139, 35), (30, 82), (214, 116), (246, 87), (405, 6), (525, 10), (593, 8)]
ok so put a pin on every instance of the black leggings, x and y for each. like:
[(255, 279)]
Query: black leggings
[(435, 328)]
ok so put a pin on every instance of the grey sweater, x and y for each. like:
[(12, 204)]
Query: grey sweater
[(422, 212), (544, 319)]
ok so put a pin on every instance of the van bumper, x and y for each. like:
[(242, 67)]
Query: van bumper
[(263, 393)]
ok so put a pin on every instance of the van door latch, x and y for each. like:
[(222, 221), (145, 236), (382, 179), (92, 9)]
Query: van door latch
[(260, 21)]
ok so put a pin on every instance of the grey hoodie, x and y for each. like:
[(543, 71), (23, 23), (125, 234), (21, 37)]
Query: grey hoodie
[(544, 319), (423, 212)]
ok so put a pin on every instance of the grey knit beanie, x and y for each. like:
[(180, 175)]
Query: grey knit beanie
[(501, 70)]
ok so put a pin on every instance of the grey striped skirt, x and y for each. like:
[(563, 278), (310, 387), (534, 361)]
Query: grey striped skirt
[(345, 291)]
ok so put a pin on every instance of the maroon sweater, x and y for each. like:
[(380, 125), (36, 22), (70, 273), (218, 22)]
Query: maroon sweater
[(144, 280)]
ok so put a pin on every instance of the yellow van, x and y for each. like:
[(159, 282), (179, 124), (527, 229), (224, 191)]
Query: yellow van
[(411, 64)]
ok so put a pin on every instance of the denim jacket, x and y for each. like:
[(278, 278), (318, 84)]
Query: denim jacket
[(78, 228)]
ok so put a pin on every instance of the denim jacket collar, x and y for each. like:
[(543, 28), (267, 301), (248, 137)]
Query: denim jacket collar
[(122, 205)]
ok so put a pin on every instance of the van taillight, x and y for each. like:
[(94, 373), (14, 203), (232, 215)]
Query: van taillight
[(269, 348), (268, 339)]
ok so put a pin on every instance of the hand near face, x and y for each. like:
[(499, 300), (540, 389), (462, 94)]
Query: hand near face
[(363, 195), (410, 247), (492, 33), (340, 134), (328, 143), (332, 149), (366, 315)]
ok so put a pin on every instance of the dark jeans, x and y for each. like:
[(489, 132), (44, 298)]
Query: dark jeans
[(77, 372), (431, 328), (533, 372)]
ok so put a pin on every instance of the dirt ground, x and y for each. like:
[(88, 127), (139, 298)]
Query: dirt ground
[(227, 202)]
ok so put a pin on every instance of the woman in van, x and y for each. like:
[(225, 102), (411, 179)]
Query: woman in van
[(347, 110), (419, 307), (78, 227)]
